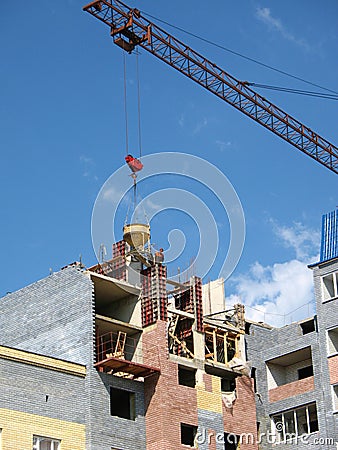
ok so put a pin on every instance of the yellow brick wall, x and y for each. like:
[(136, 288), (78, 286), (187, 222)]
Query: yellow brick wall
[(210, 401), (42, 361), (18, 429)]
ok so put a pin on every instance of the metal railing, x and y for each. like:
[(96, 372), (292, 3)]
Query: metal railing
[(118, 345)]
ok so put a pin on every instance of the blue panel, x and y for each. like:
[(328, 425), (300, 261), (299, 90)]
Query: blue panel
[(329, 247)]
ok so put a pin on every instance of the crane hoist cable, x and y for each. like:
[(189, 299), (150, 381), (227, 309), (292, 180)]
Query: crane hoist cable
[(134, 164), (293, 91), (125, 100), (248, 58)]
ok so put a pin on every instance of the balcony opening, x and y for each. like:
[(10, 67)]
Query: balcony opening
[(289, 368), (119, 349), (308, 326), (122, 403), (305, 372), (116, 299), (332, 341), (186, 377), (188, 434)]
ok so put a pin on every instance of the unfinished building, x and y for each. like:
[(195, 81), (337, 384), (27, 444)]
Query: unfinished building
[(120, 357)]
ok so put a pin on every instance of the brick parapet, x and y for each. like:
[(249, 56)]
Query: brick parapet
[(292, 389)]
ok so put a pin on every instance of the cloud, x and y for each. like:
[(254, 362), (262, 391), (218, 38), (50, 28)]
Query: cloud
[(88, 165), (203, 123), (264, 15), (181, 120), (112, 194), (223, 145), (303, 241), (282, 292)]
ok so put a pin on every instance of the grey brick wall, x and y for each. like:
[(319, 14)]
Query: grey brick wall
[(213, 421), (106, 431), (52, 317), (55, 317), (264, 345), (24, 388)]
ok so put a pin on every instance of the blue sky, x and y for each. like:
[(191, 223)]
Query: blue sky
[(63, 133)]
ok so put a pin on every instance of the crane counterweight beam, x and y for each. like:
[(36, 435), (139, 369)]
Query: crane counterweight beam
[(129, 29)]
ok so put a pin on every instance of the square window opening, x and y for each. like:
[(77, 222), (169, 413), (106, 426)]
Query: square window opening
[(231, 441), (228, 384), (186, 377), (122, 403), (188, 434), (308, 327), (305, 372)]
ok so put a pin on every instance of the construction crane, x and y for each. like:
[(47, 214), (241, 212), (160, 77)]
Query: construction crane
[(129, 29)]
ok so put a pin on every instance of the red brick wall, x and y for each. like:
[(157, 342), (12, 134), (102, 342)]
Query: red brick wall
[(212, 442), (291, 389), (167, 403), (333, 369), (207, 382), (241, 418)]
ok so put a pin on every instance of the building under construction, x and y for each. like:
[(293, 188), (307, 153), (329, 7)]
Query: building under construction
[(119, 357)]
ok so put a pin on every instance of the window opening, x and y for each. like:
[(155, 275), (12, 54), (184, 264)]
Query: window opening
[(45, 443), (188, 434), (308, 326), (231, 441), (305, 372), (122, 403), (288, 425), (186, 377), (329, 283), (332, 340)]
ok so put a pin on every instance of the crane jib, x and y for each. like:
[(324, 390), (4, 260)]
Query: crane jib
[(129, 29)]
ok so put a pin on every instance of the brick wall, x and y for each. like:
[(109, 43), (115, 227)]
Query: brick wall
[(52, 317), (291, 389), (241, 418), (333, 369), (167, 403)]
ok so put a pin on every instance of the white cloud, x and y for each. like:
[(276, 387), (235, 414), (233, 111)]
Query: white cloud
[(203, 123), (181, 120), (282, 292), (112, 194), (303, 241), (88, 165), (264, 15), (222, 145)]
